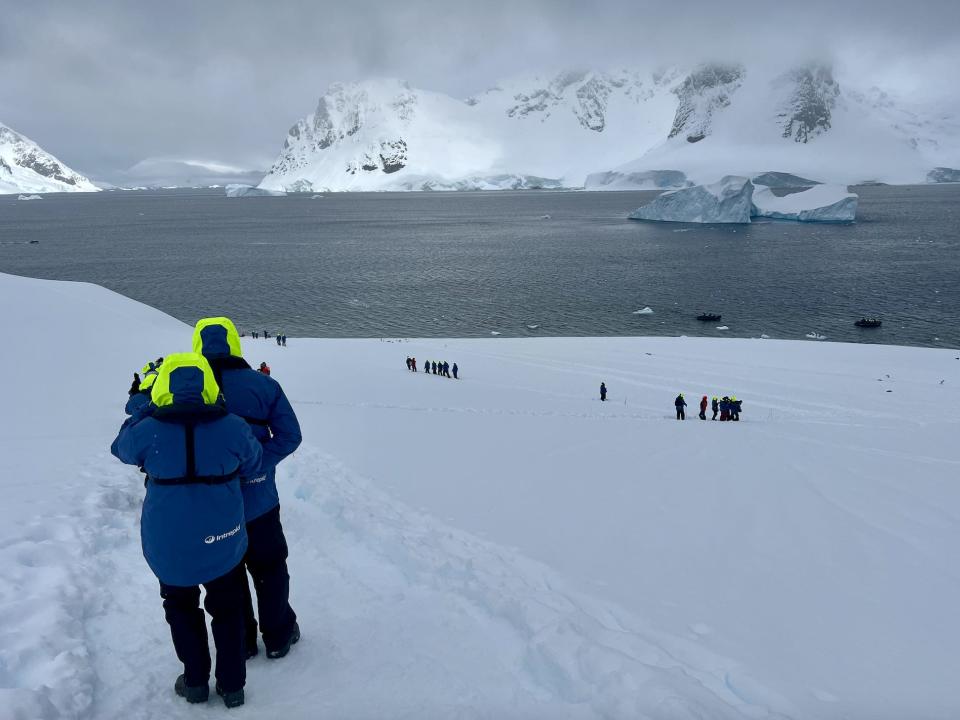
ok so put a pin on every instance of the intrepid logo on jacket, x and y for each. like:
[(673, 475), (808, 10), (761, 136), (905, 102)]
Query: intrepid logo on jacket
[(257, 479), (210, 539)]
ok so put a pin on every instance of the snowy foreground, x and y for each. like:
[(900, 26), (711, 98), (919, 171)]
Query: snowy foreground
[(506, 546)]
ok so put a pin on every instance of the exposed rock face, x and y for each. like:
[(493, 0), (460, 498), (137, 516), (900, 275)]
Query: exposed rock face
[(24, 165), (393, 156), (340, 114), (811, 102), (703, 93), (587, 93)]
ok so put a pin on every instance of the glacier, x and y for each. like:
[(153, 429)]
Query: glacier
[(25, 167), (727, 201), (644, 180), (821, 203)]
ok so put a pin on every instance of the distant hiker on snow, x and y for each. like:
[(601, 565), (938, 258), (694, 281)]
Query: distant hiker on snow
[(724, 409), (455, 371), (192, 521), (409, 366), (284, 340), (434, 367), (603, 392), (278, 340), (264, 368), (680, 404), (735, 409), (715, 406), (703, 408), (446, 368), (413, 364)]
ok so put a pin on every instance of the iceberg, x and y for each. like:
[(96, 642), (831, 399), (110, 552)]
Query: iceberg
[(821, 203), (783, 180), (726, 201), (943, 175), (236, 190), (646, 180), (645, 311), (29, 197)]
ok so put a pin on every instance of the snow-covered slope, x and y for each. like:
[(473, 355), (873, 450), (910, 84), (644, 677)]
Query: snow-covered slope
[(386, 135), (707, 121), (26, 168), (506, 546)]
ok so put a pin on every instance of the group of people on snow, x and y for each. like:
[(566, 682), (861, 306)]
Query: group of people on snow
[(437, 368), (281, 338), (208, 431), (729, 408)]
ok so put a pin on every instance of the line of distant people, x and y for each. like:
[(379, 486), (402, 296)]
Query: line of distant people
[(728, 407), (437, 368), (281, 338)]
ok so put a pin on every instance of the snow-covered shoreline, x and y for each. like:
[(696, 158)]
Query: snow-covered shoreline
[(506, 545)]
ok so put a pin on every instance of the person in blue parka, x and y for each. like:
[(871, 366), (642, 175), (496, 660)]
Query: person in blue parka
[(192, 524), (259, 400), (141, 395)]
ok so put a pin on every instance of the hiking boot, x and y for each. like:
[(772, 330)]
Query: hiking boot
[(231, 699), (285, 648), (197, 694)]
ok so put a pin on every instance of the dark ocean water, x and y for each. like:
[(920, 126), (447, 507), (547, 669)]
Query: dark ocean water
[(469, 264)]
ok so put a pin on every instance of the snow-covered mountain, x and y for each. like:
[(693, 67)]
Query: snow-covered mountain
[(554, 131), (25, 167)]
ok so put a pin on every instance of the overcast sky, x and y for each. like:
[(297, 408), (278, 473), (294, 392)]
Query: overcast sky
[(105, 85)]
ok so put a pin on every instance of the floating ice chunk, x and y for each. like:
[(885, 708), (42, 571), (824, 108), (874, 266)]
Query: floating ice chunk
[(236, 190), (726, 201), (722, 327), (821, 203), (29, 197), (783, 180), (494, 332), (645, 311), (816, 336), (943, 175), (532, 327)]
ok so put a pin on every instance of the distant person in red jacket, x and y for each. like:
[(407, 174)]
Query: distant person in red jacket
[(264, 368), (703, 408)]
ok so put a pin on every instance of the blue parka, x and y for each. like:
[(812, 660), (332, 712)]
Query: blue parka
[(259, 400), (192, 524)]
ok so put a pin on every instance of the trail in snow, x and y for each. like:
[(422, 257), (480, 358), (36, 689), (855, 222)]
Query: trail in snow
[(403, 617)]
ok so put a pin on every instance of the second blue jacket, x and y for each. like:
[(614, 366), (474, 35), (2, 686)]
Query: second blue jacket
[(191, 532)]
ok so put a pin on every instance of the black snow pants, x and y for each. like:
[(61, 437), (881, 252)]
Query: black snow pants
[(188, 627), (680, 414), (266, 561)]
